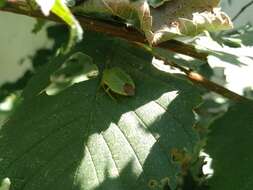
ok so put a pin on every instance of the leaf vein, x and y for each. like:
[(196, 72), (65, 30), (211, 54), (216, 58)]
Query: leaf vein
[(135, 154), (178, 121), (93, 164), (110, 151), (36, 144)]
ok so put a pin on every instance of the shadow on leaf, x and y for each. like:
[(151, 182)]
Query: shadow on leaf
[(82, 139)]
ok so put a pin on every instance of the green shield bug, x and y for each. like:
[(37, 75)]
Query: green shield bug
[(118, 81)]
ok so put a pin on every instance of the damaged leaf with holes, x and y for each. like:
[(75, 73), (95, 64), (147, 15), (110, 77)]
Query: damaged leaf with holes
[(162, 20)]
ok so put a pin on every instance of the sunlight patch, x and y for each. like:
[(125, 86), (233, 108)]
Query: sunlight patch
[(5, 184), (207, 168)]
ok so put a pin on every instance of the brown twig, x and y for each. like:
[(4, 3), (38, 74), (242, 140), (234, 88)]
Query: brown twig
[(202, 81), (133, 36), (121, 31)]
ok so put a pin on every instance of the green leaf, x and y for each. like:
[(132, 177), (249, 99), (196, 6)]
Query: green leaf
[(60, 8), (77, 68), (82, 139), (230, 145)]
